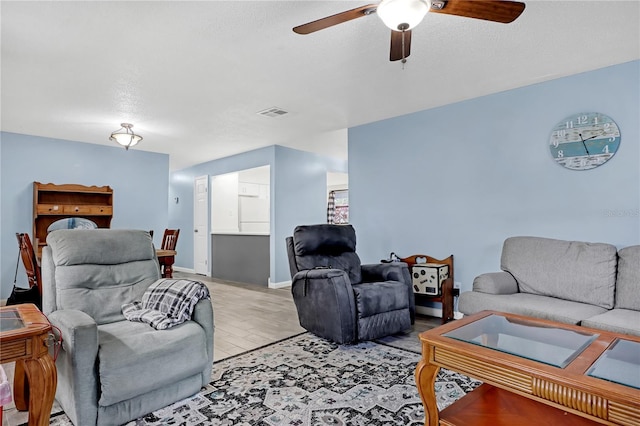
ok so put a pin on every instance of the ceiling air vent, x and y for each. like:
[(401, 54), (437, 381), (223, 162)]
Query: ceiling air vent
[(273, 112)]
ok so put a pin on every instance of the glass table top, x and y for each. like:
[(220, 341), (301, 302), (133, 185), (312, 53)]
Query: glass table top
[(620, 363), (10, 320), (531, 340)]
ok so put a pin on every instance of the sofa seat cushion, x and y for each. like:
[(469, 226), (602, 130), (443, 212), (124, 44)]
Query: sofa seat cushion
[(136, 358), (532, 305), (624, 321), (380, 297), (570, 270)]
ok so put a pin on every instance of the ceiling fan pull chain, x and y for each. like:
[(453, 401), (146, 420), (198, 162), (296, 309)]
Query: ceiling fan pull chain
[(404, 59)]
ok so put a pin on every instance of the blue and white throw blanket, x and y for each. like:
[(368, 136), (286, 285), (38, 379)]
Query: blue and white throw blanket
[(167, 302)]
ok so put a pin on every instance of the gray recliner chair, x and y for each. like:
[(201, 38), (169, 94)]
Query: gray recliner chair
[(339, 299), (111, 370)]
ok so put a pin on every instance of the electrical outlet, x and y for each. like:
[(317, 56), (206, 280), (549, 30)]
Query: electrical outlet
[(457, 284)]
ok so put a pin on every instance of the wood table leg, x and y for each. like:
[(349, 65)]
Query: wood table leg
[(20, 387), (166, 266), (42, 378), (426, 379), (447, 300), (168, 270)]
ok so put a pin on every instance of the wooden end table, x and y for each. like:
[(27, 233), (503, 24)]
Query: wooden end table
[(24, 332), (447, 293), (545, 369)]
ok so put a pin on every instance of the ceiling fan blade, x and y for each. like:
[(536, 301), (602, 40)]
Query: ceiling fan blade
[(397, 45), (489, 10), (336, 19)]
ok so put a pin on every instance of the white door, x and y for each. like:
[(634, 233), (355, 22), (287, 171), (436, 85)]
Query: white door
[(200, 220)]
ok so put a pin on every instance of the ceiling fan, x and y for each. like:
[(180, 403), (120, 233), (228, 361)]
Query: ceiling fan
[(403, 15)]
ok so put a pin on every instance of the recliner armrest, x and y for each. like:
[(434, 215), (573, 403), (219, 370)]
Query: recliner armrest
[(393, 271), (76, 362), (79, 331), (319, 273), (203, 315), (325, 303), (495, 283)]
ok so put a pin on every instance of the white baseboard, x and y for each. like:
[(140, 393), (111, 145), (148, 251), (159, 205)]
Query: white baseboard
[(187, 270), (280, 284), (435, 312)]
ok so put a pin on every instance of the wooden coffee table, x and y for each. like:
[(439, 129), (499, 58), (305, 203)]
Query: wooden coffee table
[(24, 332), (533, 370)]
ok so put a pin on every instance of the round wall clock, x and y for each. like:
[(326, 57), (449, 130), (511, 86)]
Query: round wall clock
[(584, 141)]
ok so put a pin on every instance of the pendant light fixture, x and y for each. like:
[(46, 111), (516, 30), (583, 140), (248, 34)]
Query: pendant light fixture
[(125, 136)]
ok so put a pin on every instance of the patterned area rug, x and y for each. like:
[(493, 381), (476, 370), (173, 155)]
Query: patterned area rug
[(306, 380)]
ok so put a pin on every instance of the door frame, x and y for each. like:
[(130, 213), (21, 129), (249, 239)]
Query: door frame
[(205, 180)]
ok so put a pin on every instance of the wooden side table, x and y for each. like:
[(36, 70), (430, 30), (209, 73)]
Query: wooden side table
[(24, 332), (448, 292)]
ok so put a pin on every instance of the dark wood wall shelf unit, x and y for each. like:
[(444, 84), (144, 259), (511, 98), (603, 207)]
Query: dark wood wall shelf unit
[(52, 202), (447, 292)]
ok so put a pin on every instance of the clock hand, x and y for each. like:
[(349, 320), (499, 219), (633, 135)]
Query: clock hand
[(584, 144)]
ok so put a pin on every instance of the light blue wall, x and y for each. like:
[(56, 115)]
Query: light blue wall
[(461, 178), (139, 181), (298, 196)]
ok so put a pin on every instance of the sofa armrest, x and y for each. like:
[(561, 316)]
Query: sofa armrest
[(76, 362), (325, 303), (495, 283)]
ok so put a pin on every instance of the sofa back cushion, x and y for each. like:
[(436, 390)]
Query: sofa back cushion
[(570, 270), (323, 246), (628, 282), (97, 271)]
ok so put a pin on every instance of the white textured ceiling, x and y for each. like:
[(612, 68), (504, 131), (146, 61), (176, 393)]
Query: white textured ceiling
[(191, 76)]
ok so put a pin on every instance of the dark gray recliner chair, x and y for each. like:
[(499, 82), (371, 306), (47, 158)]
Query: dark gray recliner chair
[(339, 299)]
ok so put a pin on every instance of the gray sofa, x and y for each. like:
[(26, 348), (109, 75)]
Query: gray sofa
[(111, 370), (590, 284)]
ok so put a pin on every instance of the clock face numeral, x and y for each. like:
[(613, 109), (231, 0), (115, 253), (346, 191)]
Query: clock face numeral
[(581, 119), (584, 141)]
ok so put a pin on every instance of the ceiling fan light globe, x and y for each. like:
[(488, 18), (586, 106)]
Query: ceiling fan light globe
[(402, 15)]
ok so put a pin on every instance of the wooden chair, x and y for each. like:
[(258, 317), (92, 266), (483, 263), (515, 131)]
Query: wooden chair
[(170, 239), (448, 292), (167, 252), (29, 260)]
